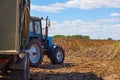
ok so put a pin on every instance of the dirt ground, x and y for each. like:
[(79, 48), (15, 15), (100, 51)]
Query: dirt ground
[(78, 69), (84, 60)]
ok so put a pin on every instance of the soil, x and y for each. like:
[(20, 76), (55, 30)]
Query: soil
[(84, 60), (92, 60)]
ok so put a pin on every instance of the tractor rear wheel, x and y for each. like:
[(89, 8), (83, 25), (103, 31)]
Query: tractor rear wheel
[(57, 56), (35, 53)]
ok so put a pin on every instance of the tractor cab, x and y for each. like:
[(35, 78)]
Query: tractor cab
[(38, 28), (34, 27)]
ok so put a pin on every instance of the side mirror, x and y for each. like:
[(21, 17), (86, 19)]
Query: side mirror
[(48, 23)]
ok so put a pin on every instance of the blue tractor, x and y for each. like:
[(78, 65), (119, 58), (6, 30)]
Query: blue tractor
[(40, 43)]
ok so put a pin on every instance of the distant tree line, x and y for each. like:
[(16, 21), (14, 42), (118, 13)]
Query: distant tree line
[(73, 36), (109, 39)]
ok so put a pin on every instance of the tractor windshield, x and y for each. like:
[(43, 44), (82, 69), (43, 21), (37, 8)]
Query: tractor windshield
[(31, 26), (34, 28), (37, 27)]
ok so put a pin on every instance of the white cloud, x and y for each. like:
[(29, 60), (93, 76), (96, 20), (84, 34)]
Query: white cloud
[(91, 4), (50, 8), (108, 21), (81, 4), (95, 29), (115, 14)]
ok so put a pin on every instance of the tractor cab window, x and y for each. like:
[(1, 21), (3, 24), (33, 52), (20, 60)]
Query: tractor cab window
[(37, 27), (34, 26), (31, 26)]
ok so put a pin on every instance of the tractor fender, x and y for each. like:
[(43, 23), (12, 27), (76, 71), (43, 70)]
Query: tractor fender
[(55, 45), (52, 50)]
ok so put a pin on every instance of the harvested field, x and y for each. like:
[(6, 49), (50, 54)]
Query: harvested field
[(85, 60)]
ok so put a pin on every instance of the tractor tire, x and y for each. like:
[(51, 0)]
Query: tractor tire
[(57, 55), (36, 53), (21, 74)]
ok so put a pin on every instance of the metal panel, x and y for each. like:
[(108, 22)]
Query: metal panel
[(8, 25)]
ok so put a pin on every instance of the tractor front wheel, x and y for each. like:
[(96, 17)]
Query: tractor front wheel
[(57, 55)]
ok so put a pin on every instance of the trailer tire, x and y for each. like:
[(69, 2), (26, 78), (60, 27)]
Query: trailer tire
[(21, 74), (57, 55), (27, 68), (36, 53)]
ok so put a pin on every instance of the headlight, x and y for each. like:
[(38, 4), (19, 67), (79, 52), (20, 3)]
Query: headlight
[(22, 55)]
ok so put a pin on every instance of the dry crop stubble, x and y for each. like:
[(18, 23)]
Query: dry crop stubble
[(85, 60)]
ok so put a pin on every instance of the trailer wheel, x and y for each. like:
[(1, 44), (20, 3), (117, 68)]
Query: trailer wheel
[(57, 56), (27, 68), (21, 74), (35, 53)]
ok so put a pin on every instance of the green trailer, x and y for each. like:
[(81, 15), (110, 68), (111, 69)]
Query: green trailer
[(14, 22)]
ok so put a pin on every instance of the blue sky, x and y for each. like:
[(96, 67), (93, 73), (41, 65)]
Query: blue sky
[(99, 19)]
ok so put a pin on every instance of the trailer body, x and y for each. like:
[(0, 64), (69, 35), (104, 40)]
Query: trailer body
[(14, 22), (9, 25)]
